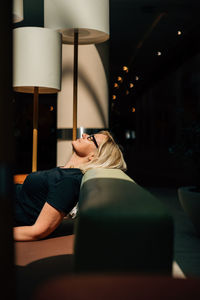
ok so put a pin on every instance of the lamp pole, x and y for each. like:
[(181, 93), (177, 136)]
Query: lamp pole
[(75, 85), (35, 129)]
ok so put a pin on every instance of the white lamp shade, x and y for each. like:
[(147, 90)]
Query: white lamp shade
[(18, 11), (37, 60), (89, 17)]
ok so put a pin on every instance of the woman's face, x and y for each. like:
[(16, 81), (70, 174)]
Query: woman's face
[(85, 146)]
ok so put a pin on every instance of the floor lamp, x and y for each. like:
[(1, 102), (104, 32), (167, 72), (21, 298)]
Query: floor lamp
[(80, 22), (18, 11), (36, 68)]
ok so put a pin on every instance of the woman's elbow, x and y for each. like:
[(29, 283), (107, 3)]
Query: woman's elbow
[(40, 233)]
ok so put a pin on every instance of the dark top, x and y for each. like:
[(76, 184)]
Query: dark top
[(58, 186)]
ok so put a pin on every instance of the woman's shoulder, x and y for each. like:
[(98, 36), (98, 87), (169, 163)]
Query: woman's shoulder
[(67, 173), (65, 180)]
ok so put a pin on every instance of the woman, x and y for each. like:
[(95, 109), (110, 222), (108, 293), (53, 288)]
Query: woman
[(46, 197)]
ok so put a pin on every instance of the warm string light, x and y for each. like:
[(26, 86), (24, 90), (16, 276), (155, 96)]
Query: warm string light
[(120, 79), (116, 85), (125, 69), (114, 97), (179, 32), (159, 53), (133, 109)]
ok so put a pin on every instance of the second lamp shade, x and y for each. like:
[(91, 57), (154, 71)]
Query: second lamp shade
[(89, 17), (36, 60)]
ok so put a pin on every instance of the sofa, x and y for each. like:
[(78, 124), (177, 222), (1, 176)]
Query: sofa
[(120, 227)]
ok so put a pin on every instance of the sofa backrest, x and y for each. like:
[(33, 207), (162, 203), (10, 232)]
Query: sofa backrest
[(105, 173)]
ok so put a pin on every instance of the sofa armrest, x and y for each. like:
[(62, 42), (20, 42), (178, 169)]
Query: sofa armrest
[(121, 227)]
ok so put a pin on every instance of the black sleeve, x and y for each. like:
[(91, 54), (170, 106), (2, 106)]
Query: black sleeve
[(64, 194)]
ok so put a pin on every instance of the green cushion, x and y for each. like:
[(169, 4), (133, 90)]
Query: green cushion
[(105, 173)]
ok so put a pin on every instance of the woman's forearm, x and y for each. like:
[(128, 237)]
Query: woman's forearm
[(47, 221), (24, 233)]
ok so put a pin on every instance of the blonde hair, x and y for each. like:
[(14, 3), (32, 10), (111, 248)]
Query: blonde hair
[(108, 156)]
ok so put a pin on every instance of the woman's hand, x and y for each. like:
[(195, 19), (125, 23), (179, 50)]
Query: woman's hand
[(47, 221)]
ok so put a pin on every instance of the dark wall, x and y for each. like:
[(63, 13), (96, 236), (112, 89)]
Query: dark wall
[(164, 114), (33, 13), (23, 126)]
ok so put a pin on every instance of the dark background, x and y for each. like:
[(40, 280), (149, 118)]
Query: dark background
[(166, 98)]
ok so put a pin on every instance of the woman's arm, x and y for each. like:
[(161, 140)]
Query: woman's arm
[(47, 221)]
